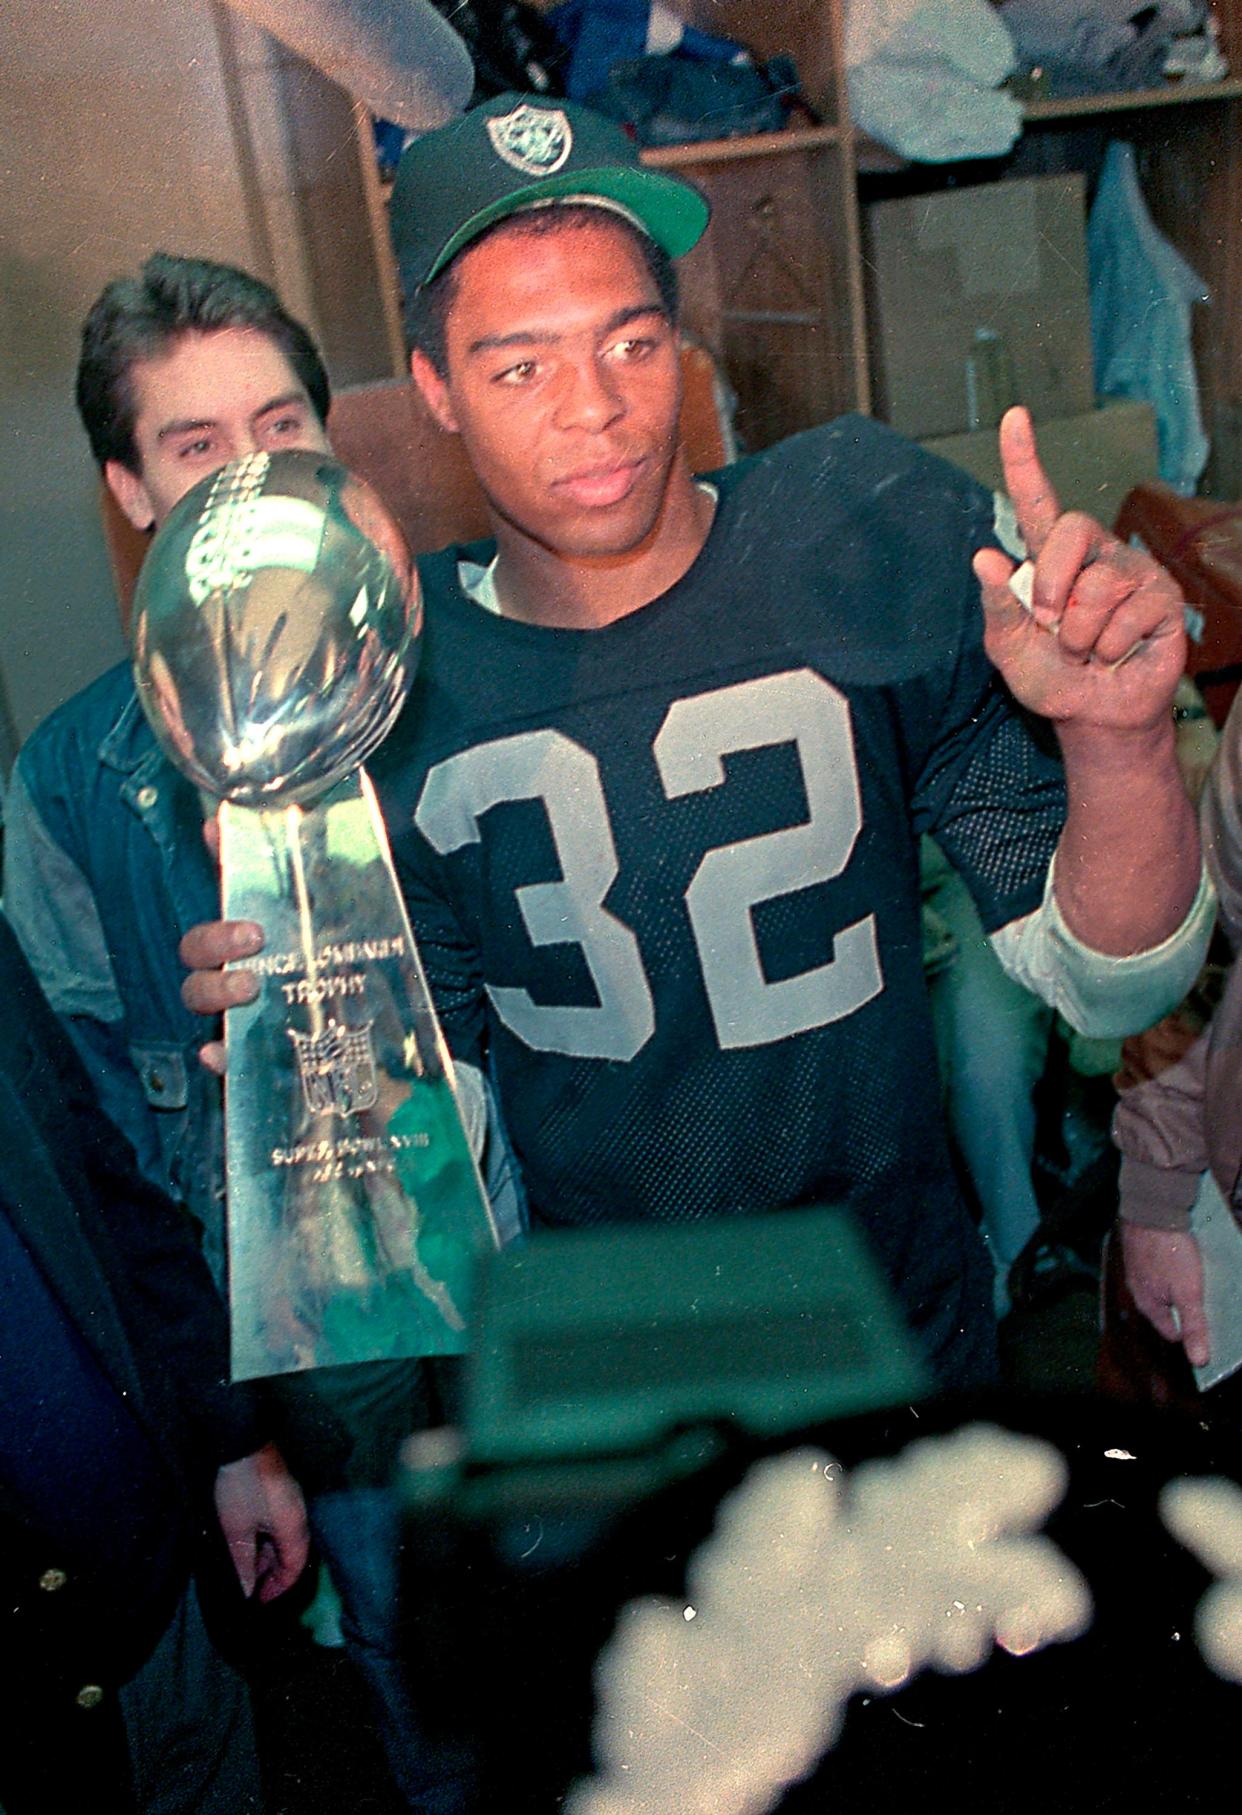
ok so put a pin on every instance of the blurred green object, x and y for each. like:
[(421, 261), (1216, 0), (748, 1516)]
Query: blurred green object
[(595, 1343)]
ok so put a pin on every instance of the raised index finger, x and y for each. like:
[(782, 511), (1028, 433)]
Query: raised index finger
[(1030, 490)]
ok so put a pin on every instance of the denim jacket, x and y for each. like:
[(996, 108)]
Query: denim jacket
[(105, 867)]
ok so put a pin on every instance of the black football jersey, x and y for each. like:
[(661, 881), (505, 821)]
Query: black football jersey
[(663, 875)]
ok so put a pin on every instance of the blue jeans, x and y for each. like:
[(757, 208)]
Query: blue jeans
[(359, 1531), (992, 1038)]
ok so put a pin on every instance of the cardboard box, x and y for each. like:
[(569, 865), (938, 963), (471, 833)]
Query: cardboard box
[(979, 291), (1092, 459)]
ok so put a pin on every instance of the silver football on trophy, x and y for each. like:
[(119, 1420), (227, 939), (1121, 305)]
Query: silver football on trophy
[(275, 628)]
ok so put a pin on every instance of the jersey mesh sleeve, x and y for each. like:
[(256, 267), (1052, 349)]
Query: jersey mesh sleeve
[(991, 787)]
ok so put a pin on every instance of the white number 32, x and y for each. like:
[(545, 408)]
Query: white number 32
[(799, 707)]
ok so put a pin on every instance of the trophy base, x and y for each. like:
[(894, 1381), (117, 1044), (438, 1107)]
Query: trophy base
[(355, 1208)]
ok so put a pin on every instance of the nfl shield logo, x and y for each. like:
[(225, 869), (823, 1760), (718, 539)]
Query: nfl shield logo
[(337, 1069), (534, 140)]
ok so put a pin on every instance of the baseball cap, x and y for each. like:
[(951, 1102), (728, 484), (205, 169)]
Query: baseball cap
[(518, 151)]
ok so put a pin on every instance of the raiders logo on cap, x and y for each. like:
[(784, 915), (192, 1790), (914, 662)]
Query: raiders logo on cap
[(535, 140), (521, 151)]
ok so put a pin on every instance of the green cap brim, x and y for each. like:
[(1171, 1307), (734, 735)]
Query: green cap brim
[(674, 214)]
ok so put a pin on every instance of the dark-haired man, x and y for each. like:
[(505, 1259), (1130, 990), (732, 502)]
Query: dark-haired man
[(164, 401), (657, 793), (184, 367)]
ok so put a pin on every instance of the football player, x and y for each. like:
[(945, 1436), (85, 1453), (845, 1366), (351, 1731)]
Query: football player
[(657, 794)]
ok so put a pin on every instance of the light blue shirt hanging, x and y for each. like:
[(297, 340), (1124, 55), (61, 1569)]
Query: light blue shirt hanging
[(1142, 290)]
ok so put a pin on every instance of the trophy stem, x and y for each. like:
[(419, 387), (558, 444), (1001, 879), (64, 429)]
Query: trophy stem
[(355, 1208)]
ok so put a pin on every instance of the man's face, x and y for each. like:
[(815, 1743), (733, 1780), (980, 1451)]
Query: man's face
[(213, 398), (564, 381)]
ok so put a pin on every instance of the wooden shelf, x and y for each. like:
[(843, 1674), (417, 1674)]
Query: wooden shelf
[(871, 154), (1171, 94), (753, 145), (876, 159)]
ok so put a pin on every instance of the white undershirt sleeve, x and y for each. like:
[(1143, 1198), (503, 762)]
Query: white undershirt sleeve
[(1102, 996)]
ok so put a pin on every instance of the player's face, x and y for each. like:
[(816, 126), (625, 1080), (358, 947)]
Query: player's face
[(564, 381), (213, 398)]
